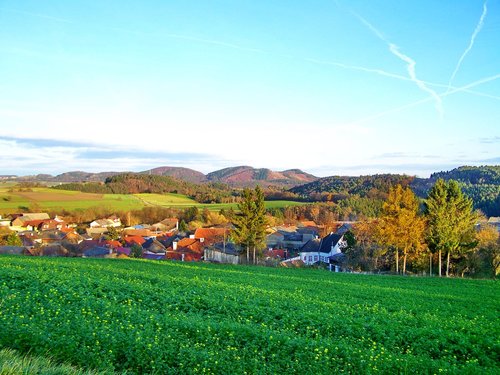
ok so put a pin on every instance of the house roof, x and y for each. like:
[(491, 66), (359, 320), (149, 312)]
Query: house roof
[(52, 234), (311, 246), (192, 244), (210, 234), (323, 245), (113, 243), (130, 240), (153, 256), (276, 234), (96, 251), (228, 248), (123, 250), (54, 250), (35, 216), (12, 250), (137, 232), (154, 246), (329, 241), (33, 223)]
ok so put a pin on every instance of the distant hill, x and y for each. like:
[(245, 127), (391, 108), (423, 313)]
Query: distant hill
[(79, 176), (349, 185), (249, 176), (481, 184), (179, 173), (242, 176)]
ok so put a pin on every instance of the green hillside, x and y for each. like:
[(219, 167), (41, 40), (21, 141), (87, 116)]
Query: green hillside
[(150, 317), (13, 199)]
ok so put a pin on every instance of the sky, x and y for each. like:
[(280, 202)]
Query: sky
[(330, 87)]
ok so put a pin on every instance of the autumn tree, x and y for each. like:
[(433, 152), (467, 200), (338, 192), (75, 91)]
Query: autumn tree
[(450, 221), (489, 246), (250, 222), (13, 240), (401, 227)]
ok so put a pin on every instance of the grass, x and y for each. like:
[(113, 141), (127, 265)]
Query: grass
[(184, 318), (57, 200), (12, 363)]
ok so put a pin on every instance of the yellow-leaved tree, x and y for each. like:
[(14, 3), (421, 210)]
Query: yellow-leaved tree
[(401, 226)]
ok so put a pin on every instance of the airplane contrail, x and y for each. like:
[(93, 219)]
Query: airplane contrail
[(410, 63), (392, 75), (478, 28), (413, 75), (425, 100)]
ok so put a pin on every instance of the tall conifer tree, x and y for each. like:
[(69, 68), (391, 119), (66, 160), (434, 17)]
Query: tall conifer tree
[(451, 221)]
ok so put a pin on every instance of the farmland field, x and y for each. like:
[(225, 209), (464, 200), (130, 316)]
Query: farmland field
[(51, 199), (167, 317)]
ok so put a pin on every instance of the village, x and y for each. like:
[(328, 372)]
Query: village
[(37, 234)]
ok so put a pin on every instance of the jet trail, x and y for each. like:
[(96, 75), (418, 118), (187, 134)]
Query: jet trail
[(410, 63), (392, 75), (425, 100), (471, 43), (413, 75)]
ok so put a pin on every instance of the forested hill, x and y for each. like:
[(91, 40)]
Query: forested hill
[(245, 176), (482, 184), (489, 175), (364, 186)]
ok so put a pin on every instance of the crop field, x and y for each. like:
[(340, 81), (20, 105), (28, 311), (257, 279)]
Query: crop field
[(183, 201), (50, 199), (171, 317), (13, 200)]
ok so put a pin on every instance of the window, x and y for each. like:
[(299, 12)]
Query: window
[(315, 258), (310, 258)]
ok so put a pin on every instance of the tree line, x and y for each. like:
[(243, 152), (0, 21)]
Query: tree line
[(443, 229)]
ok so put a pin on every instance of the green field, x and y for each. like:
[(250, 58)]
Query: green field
[(51, 199), (172, 317)]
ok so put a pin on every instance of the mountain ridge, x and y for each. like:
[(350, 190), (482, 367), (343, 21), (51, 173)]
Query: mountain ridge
[(239, 176)]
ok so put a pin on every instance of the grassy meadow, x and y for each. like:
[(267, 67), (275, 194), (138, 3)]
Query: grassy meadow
[(140, 317), (13, 200)]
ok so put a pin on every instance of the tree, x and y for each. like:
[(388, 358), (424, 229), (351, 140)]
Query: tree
[(14, 240), (450, 221), (250, 221), (136, 251), (489, 246), (401, 227), (112, 233)]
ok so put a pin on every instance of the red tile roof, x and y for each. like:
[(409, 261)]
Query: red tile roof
[(134, 239)]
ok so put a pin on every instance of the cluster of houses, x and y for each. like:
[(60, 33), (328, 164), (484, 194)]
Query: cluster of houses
[(41, 235)]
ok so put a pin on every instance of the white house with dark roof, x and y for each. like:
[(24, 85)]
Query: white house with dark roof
[(322, 250)]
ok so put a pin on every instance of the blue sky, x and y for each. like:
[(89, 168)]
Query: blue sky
[(331, 87)]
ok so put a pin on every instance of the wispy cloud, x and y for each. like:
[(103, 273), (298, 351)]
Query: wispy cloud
[(38, 15), (489, 140), (29, 155), (410, 63), (478, 28)]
